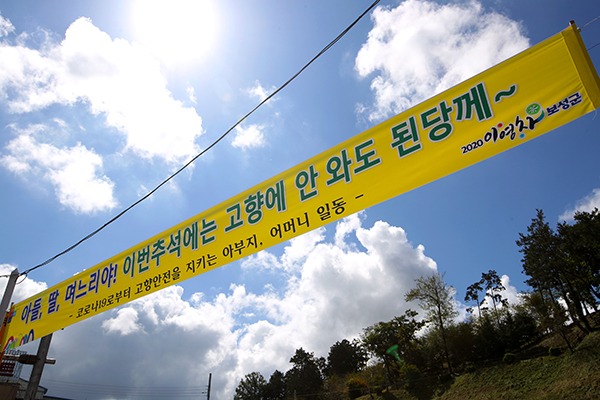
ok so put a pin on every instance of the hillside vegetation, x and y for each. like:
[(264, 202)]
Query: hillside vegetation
[(567, 376)]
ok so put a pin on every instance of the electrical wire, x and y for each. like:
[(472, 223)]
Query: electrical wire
[(333, 42), (598, 17), (128, 391), (594, 20)]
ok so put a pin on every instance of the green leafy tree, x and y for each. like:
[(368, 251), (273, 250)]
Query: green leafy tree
[(493, 286), (435, 297), (346, 357), (304, 379), (488, 340), (549, 315), (472, 294), (581, 245), (275, 389), (251, 387), (400, 331), (461, 342), (553, 267)]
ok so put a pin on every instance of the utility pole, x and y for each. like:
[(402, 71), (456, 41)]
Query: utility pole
[(38, 367), (10, 288), (208, 393), (39, 360)]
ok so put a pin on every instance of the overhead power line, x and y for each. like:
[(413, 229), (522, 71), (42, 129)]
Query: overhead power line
[(334, 41), (129, 391)]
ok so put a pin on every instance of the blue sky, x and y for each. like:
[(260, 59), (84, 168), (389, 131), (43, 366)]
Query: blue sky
[(102, 100)]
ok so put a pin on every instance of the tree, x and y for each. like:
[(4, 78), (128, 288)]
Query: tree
[(552, 261), (461, 342), (275, 389), (400, 331), (473, 294), (304, 378), (251, 387), (549, 315), (345, 357), (493, 287), (581, 245), (435, 298)]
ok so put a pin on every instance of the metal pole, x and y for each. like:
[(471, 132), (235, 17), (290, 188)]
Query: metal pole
[(10, 287), (38, 367), (8, 292), (208, 393)]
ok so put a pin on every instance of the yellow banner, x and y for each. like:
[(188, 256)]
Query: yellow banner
[(524, 97)]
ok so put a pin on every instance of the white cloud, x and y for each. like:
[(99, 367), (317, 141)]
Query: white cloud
[(61, 123), (125, 323), (259, 91), (114, 78), (587, 204), (75, 172), (249, 136), (421, 48), (6, 26), (192, 94)]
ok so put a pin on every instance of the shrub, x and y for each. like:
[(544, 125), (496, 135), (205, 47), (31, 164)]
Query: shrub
[(554, 351), (509, 358), (355, 387), (411, 375)]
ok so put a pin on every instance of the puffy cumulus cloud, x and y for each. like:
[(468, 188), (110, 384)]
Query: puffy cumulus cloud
[(316, 309), (119, 80), (75, 171), (587, 204), (294, 254), (421, 48), (332, 291), (125, 323), (249, 136)]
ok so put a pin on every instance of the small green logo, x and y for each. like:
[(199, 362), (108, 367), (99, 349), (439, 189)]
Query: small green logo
[(533, 109)]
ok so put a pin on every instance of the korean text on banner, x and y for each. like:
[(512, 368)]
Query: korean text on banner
[(524, 97)]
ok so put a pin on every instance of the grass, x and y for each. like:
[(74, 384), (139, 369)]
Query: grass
[(567, 376)]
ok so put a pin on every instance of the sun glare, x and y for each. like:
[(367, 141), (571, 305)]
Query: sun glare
[(176, 31)]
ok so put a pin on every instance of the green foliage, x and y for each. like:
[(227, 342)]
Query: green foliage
[(251, 387), (509, 358), (472, 293), (304, 377), (572, 376), (356, 387), (401, 332), (436, 298), (411, 375), (564, 264), (345, 357), (461, 342), (275, 389), (554, 351)]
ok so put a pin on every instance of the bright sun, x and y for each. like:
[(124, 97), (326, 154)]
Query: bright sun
[(176, 31)]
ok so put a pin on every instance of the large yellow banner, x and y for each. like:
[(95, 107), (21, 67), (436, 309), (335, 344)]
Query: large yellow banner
[(524, 97)]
